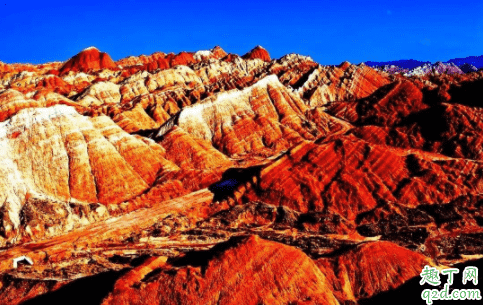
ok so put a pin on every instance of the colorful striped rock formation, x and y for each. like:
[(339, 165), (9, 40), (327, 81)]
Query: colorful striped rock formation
[(213, 178)]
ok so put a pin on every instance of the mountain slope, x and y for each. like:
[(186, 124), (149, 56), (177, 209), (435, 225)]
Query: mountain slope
[(208, 177)]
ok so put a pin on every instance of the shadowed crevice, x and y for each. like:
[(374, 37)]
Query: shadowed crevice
[(89, 290), (231, 179)]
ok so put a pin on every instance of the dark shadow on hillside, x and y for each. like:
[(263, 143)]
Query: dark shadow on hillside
[(231, 179), (468, 93), (301, 81), (432, 122), (89, 290), (203, 257)]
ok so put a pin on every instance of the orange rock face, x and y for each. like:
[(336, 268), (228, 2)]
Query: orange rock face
[(12, 101), (258, 52), (214, 277), (349, 177), (390, 105), (209, 178), (218, 52), (82, 162), (187, 152), (160, 61), (87, 60), (371, 268), (346, 82)]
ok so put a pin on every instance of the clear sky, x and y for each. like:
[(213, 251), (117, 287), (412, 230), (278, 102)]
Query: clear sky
[(330, 32)]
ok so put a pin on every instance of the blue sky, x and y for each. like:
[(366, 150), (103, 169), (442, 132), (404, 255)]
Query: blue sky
[(330, 32)]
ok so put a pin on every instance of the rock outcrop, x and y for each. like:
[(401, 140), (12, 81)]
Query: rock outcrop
[(258, 52), (206, 177), (12, 101), (436, 68), (53, 157), (468, 68), (322, 85), (228, 274), (371, 268), (89, 59), (343, 174), (263, 119), (99, 94)]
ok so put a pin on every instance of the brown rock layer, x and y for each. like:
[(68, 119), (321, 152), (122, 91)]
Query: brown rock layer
[(172, 156), (371, 268), (56, 155), (262, 119), (253, 271), (257, 52), (347, 176), (88, 60)]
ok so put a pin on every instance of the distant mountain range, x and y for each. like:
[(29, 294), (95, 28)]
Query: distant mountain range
[(428, 68), (476, 61), (403, 63), (467, 68)]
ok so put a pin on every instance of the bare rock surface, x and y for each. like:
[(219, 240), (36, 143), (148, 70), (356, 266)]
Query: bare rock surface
[(207, 177), (214, 277), (89, 59)]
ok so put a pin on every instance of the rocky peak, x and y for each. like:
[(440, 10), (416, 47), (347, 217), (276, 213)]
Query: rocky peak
[(89, 59), (218, 52), (468, 68), (148, 178), (436, 68), (272, 274), (258, 52), (345, 65)]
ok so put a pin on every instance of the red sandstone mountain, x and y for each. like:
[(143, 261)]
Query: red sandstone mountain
[(214, 277), (218, 53), (371, 268), (143, 178), (339, 168), (87, 60), (258, 52)]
